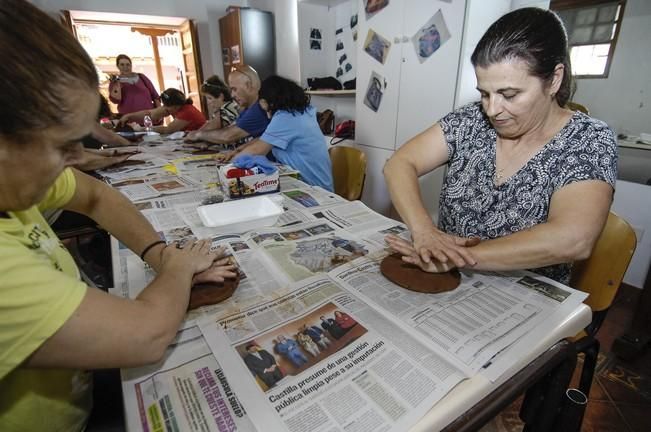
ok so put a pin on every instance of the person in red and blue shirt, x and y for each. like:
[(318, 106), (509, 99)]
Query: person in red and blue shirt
[(186, 116)]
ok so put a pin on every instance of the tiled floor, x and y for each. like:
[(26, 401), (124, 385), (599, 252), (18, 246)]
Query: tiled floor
[(620, 397)]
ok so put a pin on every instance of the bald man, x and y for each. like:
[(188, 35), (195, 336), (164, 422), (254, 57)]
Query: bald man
[(244, 83)]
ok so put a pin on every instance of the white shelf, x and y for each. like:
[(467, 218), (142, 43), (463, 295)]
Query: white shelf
[(330, 92)]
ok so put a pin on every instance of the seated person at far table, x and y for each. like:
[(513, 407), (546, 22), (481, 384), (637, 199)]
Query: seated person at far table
[(252, 121), (53, 327), (186, 116), (100, 136), (293, 135), (529, 179), (222, 107), (94, 156)]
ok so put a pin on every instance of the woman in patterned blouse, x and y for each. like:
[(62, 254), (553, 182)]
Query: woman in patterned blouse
[(223, 109), (529, 182)]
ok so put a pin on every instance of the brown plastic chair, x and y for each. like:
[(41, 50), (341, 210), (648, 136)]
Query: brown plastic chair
[(575, 106), (348, 171), (602, 273), (600, 276)]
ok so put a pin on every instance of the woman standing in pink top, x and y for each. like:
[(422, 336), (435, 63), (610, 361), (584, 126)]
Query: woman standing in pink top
[(131, 91)]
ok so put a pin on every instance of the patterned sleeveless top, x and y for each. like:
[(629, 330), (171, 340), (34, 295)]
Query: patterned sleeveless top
[(472, 206)]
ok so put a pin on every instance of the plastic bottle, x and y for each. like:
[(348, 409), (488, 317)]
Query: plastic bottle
[(148, 124)]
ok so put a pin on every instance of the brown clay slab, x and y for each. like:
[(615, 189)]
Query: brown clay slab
[(212, 293), (413, 278)]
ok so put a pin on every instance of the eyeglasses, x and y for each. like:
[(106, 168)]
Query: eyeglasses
[(246, 70)]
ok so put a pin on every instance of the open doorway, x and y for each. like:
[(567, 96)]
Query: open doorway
[(165, 49)]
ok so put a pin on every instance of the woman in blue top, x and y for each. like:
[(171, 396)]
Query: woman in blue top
[(293, 135)]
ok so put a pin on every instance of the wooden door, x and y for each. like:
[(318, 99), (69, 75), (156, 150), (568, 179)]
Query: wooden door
[(230, 37), (66, 20), (192, 63)]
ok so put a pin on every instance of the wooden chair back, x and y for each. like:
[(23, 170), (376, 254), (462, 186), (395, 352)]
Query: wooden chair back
[(575, 106), (348, 171), (602, 273)]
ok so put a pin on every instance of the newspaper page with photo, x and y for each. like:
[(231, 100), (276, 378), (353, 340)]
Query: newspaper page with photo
[(187, 391), (357, 218), (303, 250), (321, 359), (309, 197), (486, 313), (268, 259)]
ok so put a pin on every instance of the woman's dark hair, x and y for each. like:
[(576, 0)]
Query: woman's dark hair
[(283, 95), (215, 87), (535, 36), (174, 97), (104, 108), (41, 62), (122, 57)]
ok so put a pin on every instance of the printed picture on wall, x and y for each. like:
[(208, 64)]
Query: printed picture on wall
[(315, 39), (431, 36), (353, 21), (340, 45), (377, 46), (235, 54), (374, 92), (374, 6), (226, 57)]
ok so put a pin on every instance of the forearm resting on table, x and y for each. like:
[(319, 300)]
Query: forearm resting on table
[(118, 332), (227, 135), (116, 214), (108, 137), (577, 215), (543, 245), (254, 147)]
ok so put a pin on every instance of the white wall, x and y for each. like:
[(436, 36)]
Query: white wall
[(328, 18), (314, 63), (286, 34), (206, 13), (623, 100), (633, 203), (480, 14)]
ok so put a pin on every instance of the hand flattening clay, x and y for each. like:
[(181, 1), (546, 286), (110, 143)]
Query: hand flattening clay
[(413, 278)]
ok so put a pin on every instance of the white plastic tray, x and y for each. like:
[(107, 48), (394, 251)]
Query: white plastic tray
[(241, 215)]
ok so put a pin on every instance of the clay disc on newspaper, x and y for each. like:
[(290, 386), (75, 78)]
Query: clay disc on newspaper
[(413, 278), (212, 293)]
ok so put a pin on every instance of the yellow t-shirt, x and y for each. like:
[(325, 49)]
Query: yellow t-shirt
[(39, 290)]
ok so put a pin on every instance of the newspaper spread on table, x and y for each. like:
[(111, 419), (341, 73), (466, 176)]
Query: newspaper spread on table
[(187, 391), (314, 338)]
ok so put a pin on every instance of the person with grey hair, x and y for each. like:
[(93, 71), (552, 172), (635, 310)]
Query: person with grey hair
[(529, 183), (244, 84)]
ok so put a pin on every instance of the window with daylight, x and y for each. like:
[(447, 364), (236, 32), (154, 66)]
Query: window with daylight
[(592, 30)]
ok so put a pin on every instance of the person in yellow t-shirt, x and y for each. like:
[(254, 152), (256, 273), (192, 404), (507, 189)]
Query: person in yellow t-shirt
[(52, 326)]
